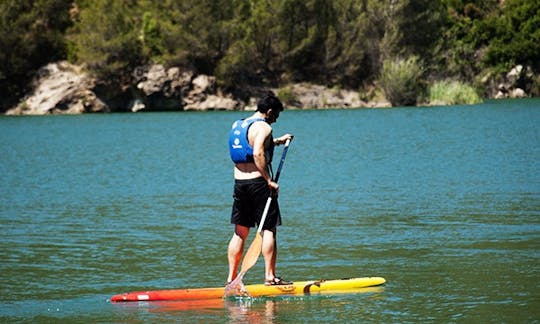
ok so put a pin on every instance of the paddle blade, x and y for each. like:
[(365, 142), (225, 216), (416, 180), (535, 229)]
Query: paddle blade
[(252, 253), (236, 287)]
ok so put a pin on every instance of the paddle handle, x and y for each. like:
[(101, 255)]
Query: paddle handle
[(283, 155)]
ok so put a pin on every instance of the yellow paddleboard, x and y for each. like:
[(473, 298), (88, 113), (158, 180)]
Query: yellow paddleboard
[(260, 290)]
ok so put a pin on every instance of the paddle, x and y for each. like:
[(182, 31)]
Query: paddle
[(255, 248)]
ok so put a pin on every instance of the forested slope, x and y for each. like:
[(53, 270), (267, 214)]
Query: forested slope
[(337, 43)]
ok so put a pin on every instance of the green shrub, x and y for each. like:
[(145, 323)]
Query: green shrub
[(401, 81), (453, 93)]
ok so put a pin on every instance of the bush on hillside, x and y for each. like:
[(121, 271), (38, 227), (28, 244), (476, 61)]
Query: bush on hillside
[(453, 93), (401, 81)]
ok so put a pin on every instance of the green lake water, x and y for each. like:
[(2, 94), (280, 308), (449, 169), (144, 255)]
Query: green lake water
[(443, 202)]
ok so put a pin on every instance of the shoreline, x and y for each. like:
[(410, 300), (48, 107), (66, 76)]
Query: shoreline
[(65, 88)]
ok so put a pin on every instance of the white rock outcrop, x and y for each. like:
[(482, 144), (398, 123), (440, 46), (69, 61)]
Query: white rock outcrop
[(60, 88)]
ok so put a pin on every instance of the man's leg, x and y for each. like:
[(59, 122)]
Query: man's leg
[(269, 252), (236, 247)]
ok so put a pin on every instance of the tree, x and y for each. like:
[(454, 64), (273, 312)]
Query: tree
[(412, 27), (31, 35), (107, 39), (203, 29), (352, 45), (252, 57), (306, 26), (514, 36)]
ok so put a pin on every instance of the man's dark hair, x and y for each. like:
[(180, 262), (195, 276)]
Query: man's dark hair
[(269, 101)]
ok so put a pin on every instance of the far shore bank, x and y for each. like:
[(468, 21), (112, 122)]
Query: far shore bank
[(64, 88)]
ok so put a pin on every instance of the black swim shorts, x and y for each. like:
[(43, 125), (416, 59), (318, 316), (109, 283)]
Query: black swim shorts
[(250, 197)]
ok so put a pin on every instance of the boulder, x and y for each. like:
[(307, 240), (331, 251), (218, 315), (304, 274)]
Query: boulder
[(213, 102), (514, 74), (518, 93), (515, 83), (204, 84), (205, 95), (60, 88), (159, 88)]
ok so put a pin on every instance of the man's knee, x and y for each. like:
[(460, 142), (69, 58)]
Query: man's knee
[(241, 231)]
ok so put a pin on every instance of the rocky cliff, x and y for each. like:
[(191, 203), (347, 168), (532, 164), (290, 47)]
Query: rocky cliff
[(64, 88)]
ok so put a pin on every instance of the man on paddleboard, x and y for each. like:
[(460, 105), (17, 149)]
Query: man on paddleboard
[(251, 145)]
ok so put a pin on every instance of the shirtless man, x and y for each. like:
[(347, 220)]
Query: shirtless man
[(251, 146)]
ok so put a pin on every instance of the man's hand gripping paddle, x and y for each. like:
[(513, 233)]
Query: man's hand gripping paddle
[(252, 254)]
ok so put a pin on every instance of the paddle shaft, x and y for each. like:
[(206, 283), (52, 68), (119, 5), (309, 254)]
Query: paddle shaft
[(255, 248), (278, 173)]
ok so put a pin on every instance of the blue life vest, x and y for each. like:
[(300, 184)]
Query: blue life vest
[(239, 147)]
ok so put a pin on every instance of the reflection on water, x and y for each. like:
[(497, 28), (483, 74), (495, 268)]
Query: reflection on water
[(245, 309)]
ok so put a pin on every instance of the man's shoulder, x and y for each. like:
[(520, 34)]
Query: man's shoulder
[(261, 125)]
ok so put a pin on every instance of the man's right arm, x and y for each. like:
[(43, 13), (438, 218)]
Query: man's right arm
[(261, 134)]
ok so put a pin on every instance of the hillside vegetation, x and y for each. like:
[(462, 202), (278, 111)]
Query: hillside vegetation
[(338, 43)]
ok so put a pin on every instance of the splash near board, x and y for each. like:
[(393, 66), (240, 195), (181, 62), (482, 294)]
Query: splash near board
[(258, 290)]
